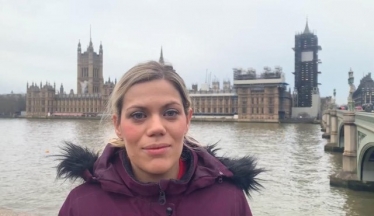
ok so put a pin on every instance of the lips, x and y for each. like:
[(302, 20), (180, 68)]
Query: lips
[(156, 146), (157, 150)]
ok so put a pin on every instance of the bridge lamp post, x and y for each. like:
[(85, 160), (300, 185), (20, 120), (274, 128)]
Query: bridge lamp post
[(334, 100), (351, 91)]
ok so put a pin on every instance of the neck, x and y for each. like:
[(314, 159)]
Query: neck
[(145, 177)]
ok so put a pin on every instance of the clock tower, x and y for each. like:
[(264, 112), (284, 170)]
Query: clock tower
[(306, 67)]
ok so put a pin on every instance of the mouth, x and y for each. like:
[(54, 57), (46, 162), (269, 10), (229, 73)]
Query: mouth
[(157, 150), (156, 146)]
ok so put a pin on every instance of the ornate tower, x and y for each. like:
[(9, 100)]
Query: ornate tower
[(306, 67), (161, 60), (90, 70)]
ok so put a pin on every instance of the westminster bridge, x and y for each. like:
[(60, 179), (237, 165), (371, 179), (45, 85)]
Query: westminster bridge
[(352, 134)]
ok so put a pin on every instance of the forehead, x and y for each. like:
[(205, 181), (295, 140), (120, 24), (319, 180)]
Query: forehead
[(151, 93)]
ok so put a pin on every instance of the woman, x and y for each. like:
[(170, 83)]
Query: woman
[(153, 167)]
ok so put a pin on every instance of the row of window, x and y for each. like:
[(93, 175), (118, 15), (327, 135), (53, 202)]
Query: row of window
[(258, 90), (213, 110), (96, 89), (259, 101), (63, 103), (258, 110), (96, 72), (42, 109), (212, 102), (84, 72), (256, 117)]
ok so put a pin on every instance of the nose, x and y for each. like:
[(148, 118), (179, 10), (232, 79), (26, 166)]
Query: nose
[(156, 126)]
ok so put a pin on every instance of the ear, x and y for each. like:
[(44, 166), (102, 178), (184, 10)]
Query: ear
[(116, 124), (189, 117)]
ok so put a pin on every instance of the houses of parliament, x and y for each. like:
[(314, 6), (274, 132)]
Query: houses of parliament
[(253, 97), (45, 100)]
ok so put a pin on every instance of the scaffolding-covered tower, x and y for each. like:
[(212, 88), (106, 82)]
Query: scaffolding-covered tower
[(306, 67)]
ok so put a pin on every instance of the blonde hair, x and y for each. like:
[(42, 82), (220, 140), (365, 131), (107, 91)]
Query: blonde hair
[(141, 73)]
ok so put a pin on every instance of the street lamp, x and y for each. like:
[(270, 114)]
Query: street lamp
[(351, 91)]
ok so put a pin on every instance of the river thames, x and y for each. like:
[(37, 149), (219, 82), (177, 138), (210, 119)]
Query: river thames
[(296, 183)]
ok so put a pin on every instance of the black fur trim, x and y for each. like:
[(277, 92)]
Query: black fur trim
[(244, 170), (74, 161)]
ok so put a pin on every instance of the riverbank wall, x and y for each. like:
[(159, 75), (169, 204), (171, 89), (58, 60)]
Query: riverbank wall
[(195, 119), (8, 212), (348, 180)]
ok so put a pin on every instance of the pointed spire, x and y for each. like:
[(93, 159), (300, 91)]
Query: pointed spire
[(90, 47), (161, 60), (27, 84), (61, 89), (306, 30), (101, 47)]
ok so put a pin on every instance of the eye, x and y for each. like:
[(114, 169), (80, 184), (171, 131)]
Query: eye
[(171, 113), (138, 115)]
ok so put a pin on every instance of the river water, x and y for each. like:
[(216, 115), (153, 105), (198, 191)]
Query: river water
[(296, 183)]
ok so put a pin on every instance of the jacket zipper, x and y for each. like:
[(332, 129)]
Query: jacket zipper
[(162, 196)]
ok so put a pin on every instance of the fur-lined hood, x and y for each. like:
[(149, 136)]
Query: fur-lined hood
[(111, 169)]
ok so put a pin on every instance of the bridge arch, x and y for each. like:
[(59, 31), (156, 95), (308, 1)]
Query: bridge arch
[(324, 119), (366, 161), (341, 135)]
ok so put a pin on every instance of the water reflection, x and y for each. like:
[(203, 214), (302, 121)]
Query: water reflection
[(296, 183)]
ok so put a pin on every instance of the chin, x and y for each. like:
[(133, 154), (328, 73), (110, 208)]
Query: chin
[(159, 167)]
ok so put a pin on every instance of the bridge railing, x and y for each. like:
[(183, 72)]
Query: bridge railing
[(340, 113)]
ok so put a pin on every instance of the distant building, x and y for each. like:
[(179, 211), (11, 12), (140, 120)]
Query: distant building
[(253, 98), (364, 93), (326, 102), (92, 92), (12, 104), (306, 67), (209, 101)]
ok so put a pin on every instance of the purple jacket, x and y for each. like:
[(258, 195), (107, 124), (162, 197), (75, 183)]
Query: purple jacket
[(212, 185)]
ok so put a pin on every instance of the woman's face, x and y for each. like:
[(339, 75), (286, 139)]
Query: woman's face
[(153, 124)]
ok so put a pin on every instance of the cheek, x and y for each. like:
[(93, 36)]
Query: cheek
[(180, 130), (131, 133)]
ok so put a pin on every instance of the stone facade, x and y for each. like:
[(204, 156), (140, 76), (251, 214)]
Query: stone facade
[(214, 101), (252, 98), (364, 93), (92, 92)]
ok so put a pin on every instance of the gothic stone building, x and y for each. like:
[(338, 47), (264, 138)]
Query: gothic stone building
[(92, 92), (253, 98), (364, 93)]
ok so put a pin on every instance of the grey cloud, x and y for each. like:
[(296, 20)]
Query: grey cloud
[(39, 38)]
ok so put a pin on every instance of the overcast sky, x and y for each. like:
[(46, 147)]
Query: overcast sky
[(38, 40)]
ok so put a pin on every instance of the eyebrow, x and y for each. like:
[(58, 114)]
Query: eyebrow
[(143, 107)]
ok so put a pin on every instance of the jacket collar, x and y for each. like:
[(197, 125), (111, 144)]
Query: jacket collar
[(196, 174), (112, 170)]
